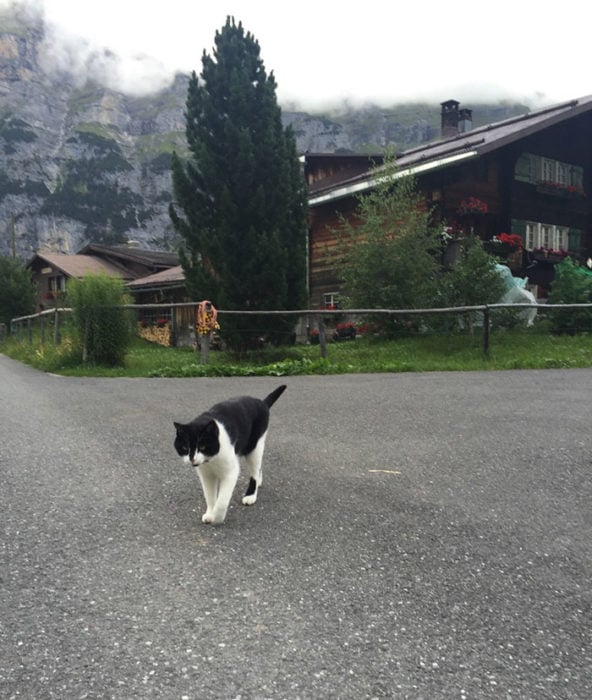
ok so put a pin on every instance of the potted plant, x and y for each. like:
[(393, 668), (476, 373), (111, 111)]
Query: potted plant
[(313, 336), (344, 331)]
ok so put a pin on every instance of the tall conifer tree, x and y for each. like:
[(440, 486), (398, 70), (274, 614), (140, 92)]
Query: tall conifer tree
[(241, 191)]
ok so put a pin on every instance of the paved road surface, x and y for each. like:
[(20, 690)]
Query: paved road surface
[(417, 536)]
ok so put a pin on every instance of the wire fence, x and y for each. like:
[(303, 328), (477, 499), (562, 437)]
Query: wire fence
[(174, 325)]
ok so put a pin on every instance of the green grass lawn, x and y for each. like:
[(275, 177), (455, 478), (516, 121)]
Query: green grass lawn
[(509, 349)]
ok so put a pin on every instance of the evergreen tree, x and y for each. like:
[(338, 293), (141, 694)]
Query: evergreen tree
[(241, 191), (17, 292)]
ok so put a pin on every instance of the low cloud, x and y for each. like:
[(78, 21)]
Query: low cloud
[(82, 60)]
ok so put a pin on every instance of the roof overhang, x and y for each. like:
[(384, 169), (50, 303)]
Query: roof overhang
[(356, 188)]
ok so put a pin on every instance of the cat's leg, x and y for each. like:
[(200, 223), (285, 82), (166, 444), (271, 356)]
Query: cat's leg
[(209, 484), (254, 462), (227, 473)]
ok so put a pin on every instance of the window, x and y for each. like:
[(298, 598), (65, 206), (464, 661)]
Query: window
[(531, 236), (561, 238), (562, 174), (537, 235), (331, 300), (57, 284), (534, 169), (548, 174)]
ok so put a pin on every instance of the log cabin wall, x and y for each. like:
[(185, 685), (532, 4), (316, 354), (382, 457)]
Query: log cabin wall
[(325, 249)]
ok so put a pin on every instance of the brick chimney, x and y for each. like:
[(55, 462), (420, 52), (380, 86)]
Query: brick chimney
[(450, 117)]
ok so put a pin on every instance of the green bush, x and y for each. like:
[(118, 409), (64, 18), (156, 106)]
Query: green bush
[(17, 293), (571, 285), (103, 327)]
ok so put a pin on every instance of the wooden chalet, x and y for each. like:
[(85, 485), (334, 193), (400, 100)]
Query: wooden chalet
[(51, 271), (529, 175)]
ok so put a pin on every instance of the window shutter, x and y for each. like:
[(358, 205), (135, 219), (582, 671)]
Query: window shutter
[(522, 169), (536, 168), (578, 177), (574, 236), (519, 227)]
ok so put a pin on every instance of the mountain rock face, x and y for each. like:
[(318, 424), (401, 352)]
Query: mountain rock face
[(81, 163)]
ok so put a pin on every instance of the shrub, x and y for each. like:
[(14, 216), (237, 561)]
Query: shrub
[(103, 327), (571, 285), (17, 293)]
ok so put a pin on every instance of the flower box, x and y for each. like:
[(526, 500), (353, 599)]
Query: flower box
[(548, 255), (558, 190)]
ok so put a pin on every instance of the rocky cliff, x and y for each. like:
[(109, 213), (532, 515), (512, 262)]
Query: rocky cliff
[(80, 162)]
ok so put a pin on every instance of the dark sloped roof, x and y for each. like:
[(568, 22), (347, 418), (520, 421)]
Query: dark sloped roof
[(446, 152), (153, 258)]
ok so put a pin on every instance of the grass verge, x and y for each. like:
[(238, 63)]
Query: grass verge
[(509, 349)]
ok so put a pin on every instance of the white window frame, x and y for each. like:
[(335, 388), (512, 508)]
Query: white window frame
[(531, 235), (541, 235), (57, 283), (331, 300), (562, 174), (549, 169), (561, 238)]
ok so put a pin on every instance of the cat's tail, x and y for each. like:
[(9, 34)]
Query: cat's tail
[(274, 396)]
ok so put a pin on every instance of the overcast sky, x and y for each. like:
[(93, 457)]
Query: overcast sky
[(325, 51)]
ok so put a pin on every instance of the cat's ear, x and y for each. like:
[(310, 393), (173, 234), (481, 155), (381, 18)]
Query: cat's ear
[(178, 426), (211, 428)]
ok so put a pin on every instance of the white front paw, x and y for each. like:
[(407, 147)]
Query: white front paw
[(250, 500), (206, 517), (214, 518)]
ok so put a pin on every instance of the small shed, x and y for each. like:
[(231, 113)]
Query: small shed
[(166, 286)]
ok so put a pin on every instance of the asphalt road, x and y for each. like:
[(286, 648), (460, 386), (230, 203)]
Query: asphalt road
[(416, 536)]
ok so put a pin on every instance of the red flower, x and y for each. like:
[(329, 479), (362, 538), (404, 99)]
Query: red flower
[(512, 239), (472, 205)]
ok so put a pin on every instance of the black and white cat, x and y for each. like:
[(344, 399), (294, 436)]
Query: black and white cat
[(215, 441)]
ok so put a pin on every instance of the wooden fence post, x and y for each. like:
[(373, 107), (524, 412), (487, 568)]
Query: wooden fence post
[(205, 348), (173, 331), (486, 329), (57, 338), (322, 336), (85, 342)]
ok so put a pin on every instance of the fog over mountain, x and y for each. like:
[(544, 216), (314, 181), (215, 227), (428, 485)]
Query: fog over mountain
[(85, 142)]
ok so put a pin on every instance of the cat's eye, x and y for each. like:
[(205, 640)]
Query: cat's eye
[(201, 448)]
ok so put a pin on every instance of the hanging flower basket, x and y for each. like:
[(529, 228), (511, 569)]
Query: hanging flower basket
[(471, 206)]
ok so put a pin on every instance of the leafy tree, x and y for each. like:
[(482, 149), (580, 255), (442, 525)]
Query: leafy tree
[(390, 256), (17, 292), (102, 325), (241, 190), (473, 279), (571, 285)]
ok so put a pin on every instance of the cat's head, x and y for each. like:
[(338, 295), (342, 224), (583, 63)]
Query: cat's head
[(197, 442)]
